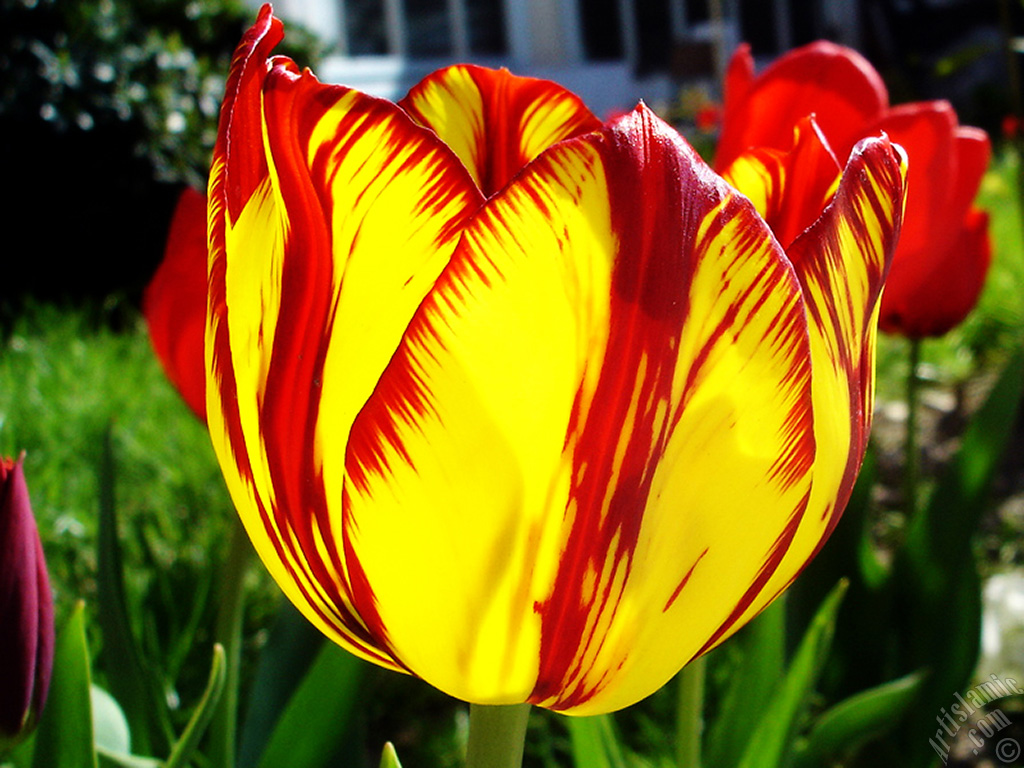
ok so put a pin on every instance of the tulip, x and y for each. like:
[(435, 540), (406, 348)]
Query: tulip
[(174, 303), (944, 252), (26, 611), (535, 408)]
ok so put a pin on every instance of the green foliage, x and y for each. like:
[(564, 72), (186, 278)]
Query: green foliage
[(772, 739), (595, 743), (127, 675), (157, 65), (840, 732), (65, 735), (749, 670), (389, 757), (310, 732), (64, 382)]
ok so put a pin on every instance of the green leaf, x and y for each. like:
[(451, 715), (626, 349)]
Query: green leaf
[(595, 743), (313, 727), (64, 738), (761, 647), (948, 654), (936, 569), (840, 731), (291, 648), (21, 755), (230, 612), (196, 727), (780, 718), (389, 757), (119, 760), (128, 679), (943, 530)]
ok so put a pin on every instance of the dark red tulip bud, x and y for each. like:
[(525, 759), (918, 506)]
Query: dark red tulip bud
[(26, 610)]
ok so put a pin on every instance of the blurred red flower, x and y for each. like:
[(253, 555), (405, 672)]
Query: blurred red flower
[(944, 250), (175, 302)]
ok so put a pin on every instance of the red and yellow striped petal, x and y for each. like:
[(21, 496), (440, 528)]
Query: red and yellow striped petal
[(547, 446), (789, 189), (595, 436), (331, 216), (495, 121), (842, 262)]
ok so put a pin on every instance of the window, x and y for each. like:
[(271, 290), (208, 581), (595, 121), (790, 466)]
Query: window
[(424, 28)]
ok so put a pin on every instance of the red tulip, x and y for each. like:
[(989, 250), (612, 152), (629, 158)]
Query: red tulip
[(835, 84), (26, 611), (943, 252), (175, 302)]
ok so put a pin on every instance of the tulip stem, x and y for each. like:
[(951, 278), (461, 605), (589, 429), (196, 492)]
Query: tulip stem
[(690, 714), (497, 735), (911, 467), (228, 630)]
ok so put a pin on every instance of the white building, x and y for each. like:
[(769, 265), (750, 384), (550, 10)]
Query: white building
[(610, 52)]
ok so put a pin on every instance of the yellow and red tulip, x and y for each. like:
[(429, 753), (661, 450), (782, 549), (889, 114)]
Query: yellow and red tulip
[(26, 611), (534, 408), (944, 252), (174, 304)]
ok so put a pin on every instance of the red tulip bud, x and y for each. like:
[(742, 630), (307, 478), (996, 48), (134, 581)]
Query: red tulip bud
[(26, 610)]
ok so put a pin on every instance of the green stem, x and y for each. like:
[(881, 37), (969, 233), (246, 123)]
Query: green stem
[(497, 735), (911, 478), (690, 714), (223, 728)]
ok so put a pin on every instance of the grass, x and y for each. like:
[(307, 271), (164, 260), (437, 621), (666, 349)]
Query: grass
[(63, 385), (66, 383)]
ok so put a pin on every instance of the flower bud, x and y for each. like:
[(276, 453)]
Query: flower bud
[(26, 610)]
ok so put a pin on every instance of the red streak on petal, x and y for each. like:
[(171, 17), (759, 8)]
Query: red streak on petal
[(767, 570), (683, 582)]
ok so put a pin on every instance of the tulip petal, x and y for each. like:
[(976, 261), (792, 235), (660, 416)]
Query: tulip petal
[(789, 189), (175, 302), (835, 84), (611, 374), (842, 262), (495, 121), (935, 299), (926, 131), (973, 152), (739, 78), (23, 590), (357, 212), (943, 254)]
